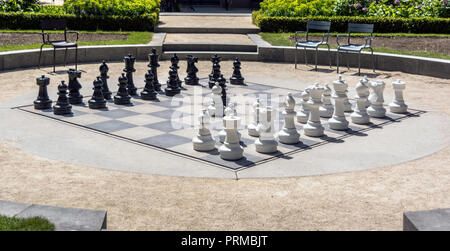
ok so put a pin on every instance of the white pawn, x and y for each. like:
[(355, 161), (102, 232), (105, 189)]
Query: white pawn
[(398, 104), (216, 107), (376, 108), (303, 114), (230, 110), (252, 126), (326, 110), (313, 127), (231, 149), (360, 116), (289, 133), (338, 121), (203, 141), (266, 142)]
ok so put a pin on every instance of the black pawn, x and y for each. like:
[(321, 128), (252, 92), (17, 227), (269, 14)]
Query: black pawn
[(175, 60), (149, 92), (122, 97), (236, 78), (74, 87), (222, 83), (104, 76), (153, 64), (215, 73), (62, 106), (97, 101), (129, 70), (172, 88), (43, 101), (191, 70)]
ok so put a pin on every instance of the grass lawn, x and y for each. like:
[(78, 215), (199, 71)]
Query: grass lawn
[(133, 38), (29, 224), (282, 39)]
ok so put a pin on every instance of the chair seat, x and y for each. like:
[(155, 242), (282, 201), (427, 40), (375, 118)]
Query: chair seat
[(310, 44), (63, 44), (352, 47)]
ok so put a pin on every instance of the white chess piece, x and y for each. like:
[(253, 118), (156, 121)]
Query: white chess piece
[(326, 110), (338, 121), (365, 81), (359, 115), (231, 149), (216, 108), (266, 142), (203, 141), (313, 127), (376, 108), (252, 126), (229, 111), (303, 114), (347, 104), (289, 134), (398, 104)]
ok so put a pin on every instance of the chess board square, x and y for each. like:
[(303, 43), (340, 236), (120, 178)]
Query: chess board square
[(165, 140), (146, 108), (169, 114), (169, 103), (187, 149), (111, 126), (118, 113), (305, 143), (137, 133), (86, 119), (258, 87), (351, 129), (167, 126), (141, 119)]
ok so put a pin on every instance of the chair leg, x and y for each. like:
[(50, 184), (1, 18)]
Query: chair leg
[(76, 58), (295, 56), (329, 55), (306, 60), (348, 67), (65, 58), (373, 62), (316, 58), (54, 59), (337, 61), (40, 55), (359, 64)]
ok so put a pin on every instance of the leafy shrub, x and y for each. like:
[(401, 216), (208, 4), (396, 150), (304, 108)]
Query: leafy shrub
[(19, 5), (111, 7), (340, 23), (292, 8)]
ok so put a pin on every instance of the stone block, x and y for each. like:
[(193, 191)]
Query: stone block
[(430, 220)]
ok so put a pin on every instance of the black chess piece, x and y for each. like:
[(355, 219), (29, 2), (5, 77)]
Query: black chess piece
[(149, 92), (74, 87), (129, 70), (191, 70), (62, 106), (153, 64), (222, 83), (43, 101), (175, 60), (236, 78), (122, 97), (215, 73), (97, 101), (172, 88), (104, 76)]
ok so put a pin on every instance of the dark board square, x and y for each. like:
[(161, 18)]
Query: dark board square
[(169, 114), (166, 140), (117, 113), (168, 126), (170, 103), (111, 126), (259, 87)]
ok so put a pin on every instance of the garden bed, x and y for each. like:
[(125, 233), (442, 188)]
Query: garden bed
[(19, 38), (25, 224)]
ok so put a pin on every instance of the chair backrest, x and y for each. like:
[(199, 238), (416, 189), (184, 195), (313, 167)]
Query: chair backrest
[(360, 28), (318, 25), (54, 24)]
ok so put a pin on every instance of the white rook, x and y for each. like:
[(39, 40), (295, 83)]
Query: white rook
[(398, 104)]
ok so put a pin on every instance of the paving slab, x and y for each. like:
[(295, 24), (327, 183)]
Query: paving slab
[(11, 209), (429, 220)]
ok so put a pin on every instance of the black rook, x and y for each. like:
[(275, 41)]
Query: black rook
[(43, 101)]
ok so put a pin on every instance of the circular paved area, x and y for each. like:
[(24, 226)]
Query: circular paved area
[(357, 200)]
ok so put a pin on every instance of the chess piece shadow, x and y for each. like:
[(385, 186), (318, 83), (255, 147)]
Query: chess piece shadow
[(321, 70), (299, 145), (355, 133), (370, 75), (331, 139)]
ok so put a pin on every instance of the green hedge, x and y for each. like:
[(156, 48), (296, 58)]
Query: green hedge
[(23, 20), (339, 24)]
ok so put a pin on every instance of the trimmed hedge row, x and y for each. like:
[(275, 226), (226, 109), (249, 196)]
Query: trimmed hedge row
[(339, 23), (23, 20)]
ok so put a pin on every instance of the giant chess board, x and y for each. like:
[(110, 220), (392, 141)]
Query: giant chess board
[(170, 123)]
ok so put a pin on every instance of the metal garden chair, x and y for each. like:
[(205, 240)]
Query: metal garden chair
[(356, 48), (57, 24), (307, 43)]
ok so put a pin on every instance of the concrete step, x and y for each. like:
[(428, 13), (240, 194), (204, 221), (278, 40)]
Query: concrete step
[(208, 42), (175, 29), (206, 55), (210, 47)]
